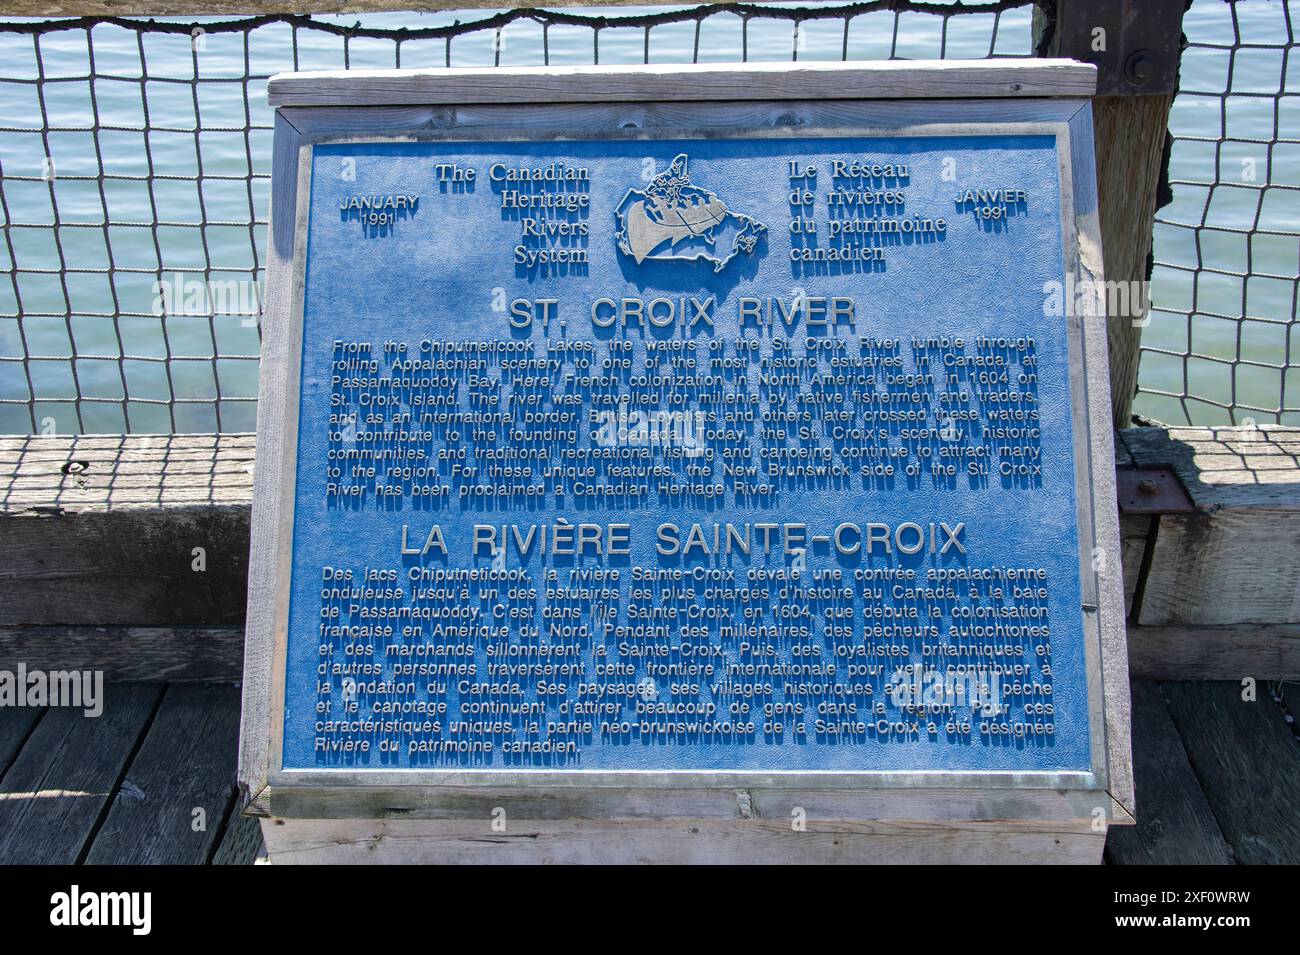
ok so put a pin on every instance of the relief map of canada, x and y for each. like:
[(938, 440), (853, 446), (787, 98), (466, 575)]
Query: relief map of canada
[(674, 220)]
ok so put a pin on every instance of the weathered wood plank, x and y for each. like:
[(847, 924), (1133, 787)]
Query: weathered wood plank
[(1232, 560), (54, 793), (1123, 458), (788, 117), (1262, 651), (1094, 443), (15, 725), (130, 654), (1220, 466), (1174, 823), (270, 540), (1134, 531), (690, 842), (101, 530), (185, 765), (1130, 134), (691, 82), (1023, 809), (67, 474), (1248, 764), (241, 843), (1232, 566), (130, 567)]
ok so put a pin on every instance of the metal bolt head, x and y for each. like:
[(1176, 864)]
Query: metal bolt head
[(1148, 485), (1140, 67)]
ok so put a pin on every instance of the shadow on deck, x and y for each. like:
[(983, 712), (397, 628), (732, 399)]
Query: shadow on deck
[(152, 779)]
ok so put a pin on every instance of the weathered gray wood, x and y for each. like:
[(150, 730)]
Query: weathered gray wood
[(280, 361), (185, 765), (101, 530), (1123, 458), (270, 536), (1131, 133), (130, 654), (1174, 823), (1025, 808), (689, 842), (41, 475), (1134, 531), (1226, 567), (1248, 764), (495, 121), (692, 82), (16, 724), (1262, 651), (1237, 467), (1130, 526), (1232, 561), (1102, 582), (52, 797), (131, 567), (241, 843)]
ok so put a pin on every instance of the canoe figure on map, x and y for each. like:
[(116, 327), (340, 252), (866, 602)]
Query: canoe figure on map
[(673, 219)]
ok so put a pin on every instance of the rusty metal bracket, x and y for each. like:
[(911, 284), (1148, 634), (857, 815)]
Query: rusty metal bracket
[(1135, 44), (1152, 490)]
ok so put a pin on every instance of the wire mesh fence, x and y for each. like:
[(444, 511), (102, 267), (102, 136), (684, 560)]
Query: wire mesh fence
[(134, 174), (134, 184), (1222, 342)]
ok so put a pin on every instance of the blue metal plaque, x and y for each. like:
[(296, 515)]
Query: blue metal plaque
[(695, 454)]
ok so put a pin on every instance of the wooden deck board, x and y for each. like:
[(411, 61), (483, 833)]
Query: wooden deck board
[(130, 654), (68, 769), (1216, 778), (122, 788), (1248, 764), (172, 806), (15, 725), (1289, 692), (1175, 825), (241, 843)]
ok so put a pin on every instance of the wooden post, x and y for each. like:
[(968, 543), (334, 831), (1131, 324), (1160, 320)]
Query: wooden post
[(1135, 47), (1130, 136)]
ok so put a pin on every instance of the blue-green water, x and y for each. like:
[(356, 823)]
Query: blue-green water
[(126, 234)]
